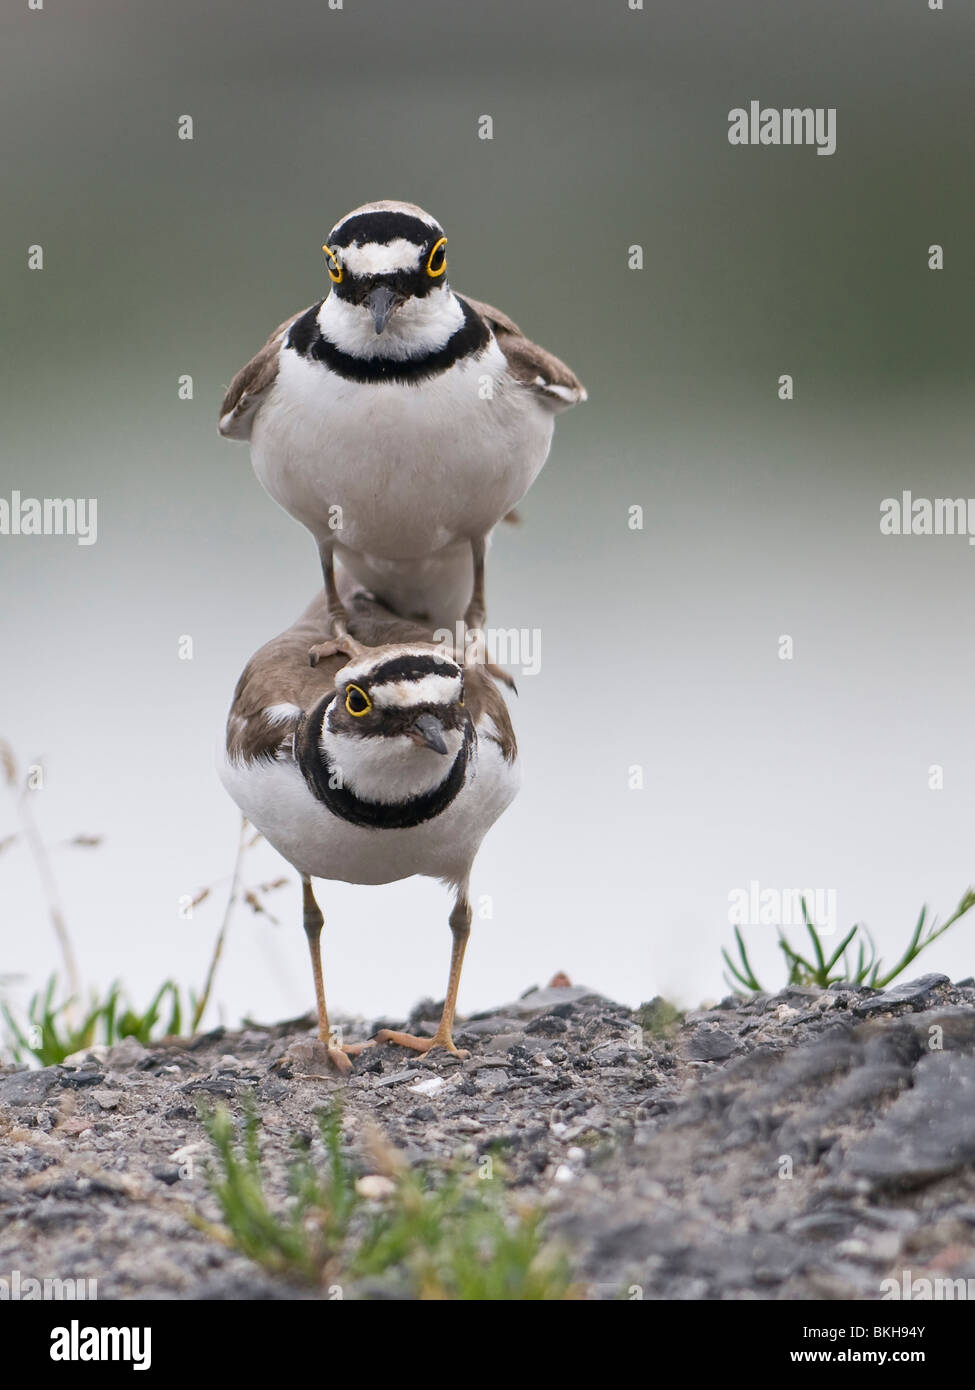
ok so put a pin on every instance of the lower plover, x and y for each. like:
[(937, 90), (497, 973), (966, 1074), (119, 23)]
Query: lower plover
[(395, 764)]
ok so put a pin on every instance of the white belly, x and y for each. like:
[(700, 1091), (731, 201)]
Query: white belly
[(276, 799), (400, 476)]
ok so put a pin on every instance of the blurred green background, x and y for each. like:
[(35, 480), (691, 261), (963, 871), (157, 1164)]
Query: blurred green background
[(165, 257)]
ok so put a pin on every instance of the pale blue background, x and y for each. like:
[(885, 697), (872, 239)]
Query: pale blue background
[(165, 257)]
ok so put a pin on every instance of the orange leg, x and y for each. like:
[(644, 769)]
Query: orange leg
[(338, 1053), (477, 608), (338, 619), (474, 640), (460, 926)]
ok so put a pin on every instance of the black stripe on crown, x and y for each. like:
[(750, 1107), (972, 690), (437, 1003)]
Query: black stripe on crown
[(412, 666), (319, 773), (382, 228), (469, 340)]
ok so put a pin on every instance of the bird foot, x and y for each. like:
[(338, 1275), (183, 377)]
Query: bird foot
[(342, 643), (340, 1053), (416, 1044), (338, 1058), (474, 619)]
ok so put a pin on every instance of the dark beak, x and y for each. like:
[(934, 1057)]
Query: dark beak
[(381, 302), (427, 732)]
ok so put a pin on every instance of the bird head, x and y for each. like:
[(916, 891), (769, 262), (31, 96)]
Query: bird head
[(397, 722), (384, 255)]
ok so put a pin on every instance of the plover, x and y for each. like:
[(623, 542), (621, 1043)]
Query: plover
[(395, 764), (398, 421)]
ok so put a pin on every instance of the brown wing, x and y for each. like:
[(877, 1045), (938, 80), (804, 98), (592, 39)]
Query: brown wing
[(278, 685), (482, 696), (531, 364), (248, 388), (278, 677)]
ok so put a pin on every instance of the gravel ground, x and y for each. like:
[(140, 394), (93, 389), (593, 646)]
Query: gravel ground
[(808, 1144)]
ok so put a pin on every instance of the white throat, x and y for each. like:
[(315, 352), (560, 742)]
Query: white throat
[(388, 769), (416, 328)]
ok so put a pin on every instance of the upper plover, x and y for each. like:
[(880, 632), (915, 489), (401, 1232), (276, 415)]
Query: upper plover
[(398, 421)]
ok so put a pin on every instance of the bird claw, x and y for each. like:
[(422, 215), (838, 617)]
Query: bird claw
[(416, 1044)]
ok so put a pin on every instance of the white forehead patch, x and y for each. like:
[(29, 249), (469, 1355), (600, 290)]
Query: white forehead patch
[(374, 259), (428, 690)]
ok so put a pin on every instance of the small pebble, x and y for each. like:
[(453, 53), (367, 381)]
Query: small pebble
[(429, 1087), (375, 1187)]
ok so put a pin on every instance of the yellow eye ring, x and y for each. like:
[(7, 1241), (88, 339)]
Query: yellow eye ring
[(335, 272), (435, 274), (357, 690)]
